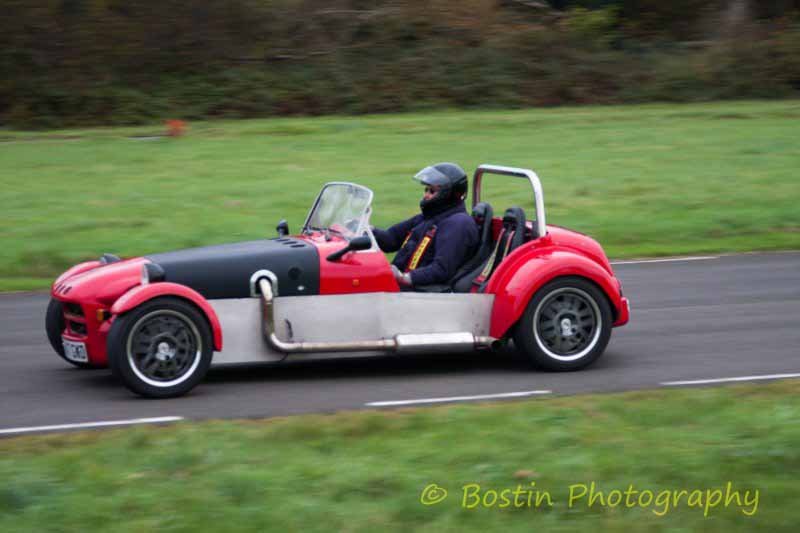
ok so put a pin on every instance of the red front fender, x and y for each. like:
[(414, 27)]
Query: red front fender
[(143, 293), (527, 270)]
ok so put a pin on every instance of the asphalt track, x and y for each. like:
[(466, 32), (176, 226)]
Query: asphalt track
[(708, 318)]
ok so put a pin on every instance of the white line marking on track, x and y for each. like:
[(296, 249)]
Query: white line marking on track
[(728, 380), (460, 398), (86, 425), (668, 260)]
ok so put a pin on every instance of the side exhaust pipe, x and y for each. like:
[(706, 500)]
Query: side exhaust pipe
[(410, 343)]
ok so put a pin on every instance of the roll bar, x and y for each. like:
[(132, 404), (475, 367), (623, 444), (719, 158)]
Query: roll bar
[(536, 185)]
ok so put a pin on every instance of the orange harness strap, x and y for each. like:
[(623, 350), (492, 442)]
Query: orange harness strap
[(508, 245), (487, 270), (422, 247)]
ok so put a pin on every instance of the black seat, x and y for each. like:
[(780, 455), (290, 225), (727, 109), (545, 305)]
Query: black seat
[(512, 235), (482, 213), (514, 220)]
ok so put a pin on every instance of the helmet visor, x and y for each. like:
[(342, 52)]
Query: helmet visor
[(431, 176)]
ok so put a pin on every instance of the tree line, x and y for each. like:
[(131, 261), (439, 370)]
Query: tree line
[(84, 62)]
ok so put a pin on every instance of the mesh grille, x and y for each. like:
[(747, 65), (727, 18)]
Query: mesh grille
[(77, 327), (73, 309)]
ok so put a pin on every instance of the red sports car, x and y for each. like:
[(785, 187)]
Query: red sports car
[(160, 321)]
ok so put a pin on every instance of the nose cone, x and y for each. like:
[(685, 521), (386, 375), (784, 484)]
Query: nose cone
[(103, 284)]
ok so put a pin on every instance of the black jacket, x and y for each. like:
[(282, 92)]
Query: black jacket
[(453, 243)]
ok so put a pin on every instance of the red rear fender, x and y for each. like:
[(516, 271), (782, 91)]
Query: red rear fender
[(527, 269), (143, 293)]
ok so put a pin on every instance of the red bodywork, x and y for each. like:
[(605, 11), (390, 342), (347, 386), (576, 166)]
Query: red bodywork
[(560, 253), (115, 288), (354, 273), (94, 287)]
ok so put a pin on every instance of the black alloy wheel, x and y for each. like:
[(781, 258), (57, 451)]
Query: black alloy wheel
[(160, 349), (566, 325)]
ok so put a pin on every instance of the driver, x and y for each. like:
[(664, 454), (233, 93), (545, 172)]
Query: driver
[(433, 244)]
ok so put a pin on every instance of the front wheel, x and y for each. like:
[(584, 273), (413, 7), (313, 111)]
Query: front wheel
[(566, 325), (161, 349)]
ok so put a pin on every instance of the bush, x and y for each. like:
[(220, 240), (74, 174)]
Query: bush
[(82, 62)]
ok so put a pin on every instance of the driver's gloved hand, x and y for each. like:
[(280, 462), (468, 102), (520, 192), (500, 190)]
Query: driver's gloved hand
[(403, 278)]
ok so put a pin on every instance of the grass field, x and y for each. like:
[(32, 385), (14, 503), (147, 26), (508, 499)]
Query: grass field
[(366, 471), (644, 180)]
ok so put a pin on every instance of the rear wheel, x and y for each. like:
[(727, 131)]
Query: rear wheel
[(54, 326), (160, 349), (566, 325)]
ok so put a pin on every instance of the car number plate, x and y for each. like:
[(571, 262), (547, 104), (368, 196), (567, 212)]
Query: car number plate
[(75, 351)]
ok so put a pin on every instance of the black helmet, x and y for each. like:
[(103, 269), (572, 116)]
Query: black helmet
[(452, 182)]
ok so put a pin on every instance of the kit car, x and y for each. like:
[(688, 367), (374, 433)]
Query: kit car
[(160, 321)]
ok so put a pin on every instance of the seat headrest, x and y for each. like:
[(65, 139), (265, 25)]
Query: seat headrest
[(482, 213), (514, 218), (514, 221)]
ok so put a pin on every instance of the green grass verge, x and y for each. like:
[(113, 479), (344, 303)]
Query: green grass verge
[(644, 180), (365, 471)]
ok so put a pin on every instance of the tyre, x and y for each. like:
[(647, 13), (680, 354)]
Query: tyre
[(566, 325), (161, 349), (54, 326)]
